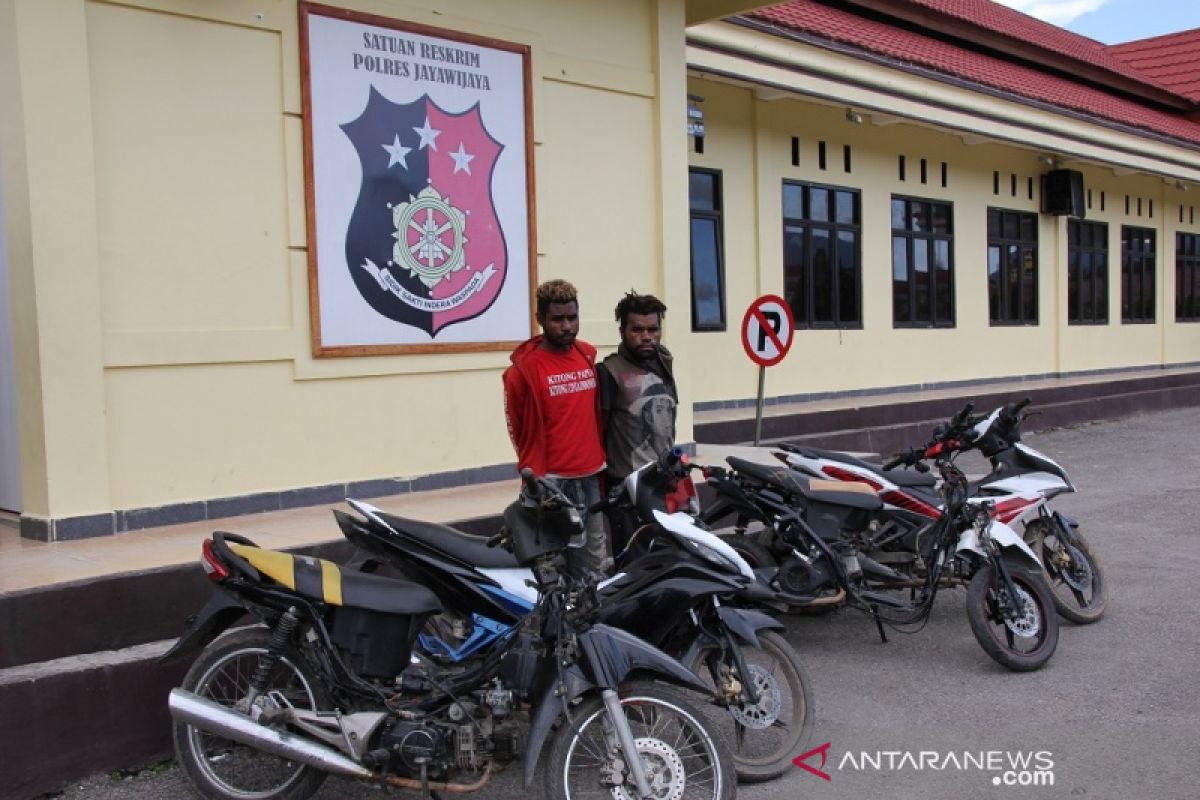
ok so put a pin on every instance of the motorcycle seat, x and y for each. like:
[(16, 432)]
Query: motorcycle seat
[(472, 550), (325, 581), (899, 476), (854, 495)]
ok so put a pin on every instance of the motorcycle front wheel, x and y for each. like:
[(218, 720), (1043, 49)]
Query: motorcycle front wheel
[(1023, 641), (683, 758), (225, 770), (766, 736), (1071, 570)]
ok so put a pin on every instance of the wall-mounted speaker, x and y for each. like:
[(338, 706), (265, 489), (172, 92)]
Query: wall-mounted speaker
[(1062, 193)]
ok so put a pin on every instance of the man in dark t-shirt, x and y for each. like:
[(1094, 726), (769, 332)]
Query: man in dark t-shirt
[(637, 394), (551, 405)]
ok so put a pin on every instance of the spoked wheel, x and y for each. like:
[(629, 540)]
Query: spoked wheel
[(1022, 640), (682, 758), (1072, 572), (222, 769), (764, 736)]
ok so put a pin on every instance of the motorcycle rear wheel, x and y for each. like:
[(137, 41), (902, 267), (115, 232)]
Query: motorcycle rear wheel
[(765, 737), (1022, 644), (1072, 572), (221, 769), (682, 756)]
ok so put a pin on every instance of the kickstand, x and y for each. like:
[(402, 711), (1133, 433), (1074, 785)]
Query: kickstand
[(425, 793), (878, 624)]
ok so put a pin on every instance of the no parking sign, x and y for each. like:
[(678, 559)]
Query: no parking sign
[(767, 330)]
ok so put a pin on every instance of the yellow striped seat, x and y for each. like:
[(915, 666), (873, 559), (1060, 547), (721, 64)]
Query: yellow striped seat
[(323, 580)]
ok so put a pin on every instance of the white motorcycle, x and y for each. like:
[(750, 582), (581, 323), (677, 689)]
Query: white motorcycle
[(1020, 486)]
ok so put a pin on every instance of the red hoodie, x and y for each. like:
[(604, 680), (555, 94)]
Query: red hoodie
[(553, 409)]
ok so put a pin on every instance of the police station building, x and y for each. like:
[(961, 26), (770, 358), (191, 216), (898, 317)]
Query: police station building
[(268, 254)]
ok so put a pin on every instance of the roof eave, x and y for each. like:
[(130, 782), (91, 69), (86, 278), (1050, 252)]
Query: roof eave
[(1020, 49)]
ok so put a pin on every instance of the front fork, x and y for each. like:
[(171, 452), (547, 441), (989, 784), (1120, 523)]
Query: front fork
[(620, 726), (726, 644), (1006, 579), (1061, 524)]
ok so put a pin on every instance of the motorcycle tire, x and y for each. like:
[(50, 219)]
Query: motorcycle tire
[(766, 737), (1072, 572), (1023, 644), (662, 718), (221, 769)]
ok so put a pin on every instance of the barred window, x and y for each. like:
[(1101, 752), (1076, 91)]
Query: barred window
[(1137, 274), (1012, 265), (822, 261), (1187, 277), (1087, 272), (922, 263), (708, 254)]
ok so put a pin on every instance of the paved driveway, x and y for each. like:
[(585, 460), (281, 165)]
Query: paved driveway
[(1116, 712)]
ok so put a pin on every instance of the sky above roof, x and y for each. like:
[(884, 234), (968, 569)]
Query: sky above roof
[(1113, 21)]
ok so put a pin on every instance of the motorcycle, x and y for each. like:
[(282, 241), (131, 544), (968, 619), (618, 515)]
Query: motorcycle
[(820, 545), (677, 587), (1021, 483), (329, 681)]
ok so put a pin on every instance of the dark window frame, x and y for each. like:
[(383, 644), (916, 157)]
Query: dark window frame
[(911, 237), (806, 226), (1001, 240), (715, 214), (1187, 277), (1097, 284), (1138, 268)]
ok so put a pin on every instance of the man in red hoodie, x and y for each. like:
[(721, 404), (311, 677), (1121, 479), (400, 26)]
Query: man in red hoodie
[(553, 411)]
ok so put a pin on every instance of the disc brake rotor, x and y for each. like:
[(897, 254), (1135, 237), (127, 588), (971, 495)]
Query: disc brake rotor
[(762, 714), (1027, 623), (1078, 571), (664, 772)]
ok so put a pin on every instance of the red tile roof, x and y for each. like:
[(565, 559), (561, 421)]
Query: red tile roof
[(924, 50), (1172, 60), (1016, 25)]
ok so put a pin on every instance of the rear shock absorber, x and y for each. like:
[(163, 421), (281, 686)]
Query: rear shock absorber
[(280, 636)]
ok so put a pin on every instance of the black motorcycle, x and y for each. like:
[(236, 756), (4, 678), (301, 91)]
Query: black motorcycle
[(329, 681), (677, 587)]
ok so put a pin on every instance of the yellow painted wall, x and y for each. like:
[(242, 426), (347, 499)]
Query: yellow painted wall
[(749, 139), (155, 220), (163, 238)]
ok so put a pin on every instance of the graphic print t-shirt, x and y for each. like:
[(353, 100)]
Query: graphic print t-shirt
[(567, 384), (641, 416)]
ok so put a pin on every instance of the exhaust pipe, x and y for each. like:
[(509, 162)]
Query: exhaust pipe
[(210, 717)]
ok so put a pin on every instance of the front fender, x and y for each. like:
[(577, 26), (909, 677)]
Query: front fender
[(1006, 538), (553, 702), (219, 613), (610, 655), (746, 623)]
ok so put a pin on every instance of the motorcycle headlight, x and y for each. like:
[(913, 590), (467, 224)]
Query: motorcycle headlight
[(716, 558)]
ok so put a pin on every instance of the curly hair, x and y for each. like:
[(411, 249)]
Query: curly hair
[(634, 303), (555, 291)]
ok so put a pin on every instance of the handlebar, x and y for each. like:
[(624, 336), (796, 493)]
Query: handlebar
[(910, 457), (1012, 412)]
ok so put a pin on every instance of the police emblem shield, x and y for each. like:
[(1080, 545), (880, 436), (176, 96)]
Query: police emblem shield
[(424, 244)]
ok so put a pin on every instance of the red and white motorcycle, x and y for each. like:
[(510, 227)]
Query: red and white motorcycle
[(1019, 488)]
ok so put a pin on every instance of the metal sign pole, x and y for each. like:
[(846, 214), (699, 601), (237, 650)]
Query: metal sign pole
[(762, 380)]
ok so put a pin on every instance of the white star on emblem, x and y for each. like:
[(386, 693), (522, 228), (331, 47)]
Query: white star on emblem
[(462, 161), (428, 135), (397, 152)]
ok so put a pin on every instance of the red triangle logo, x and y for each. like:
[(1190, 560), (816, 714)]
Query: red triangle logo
[(819, 772)]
